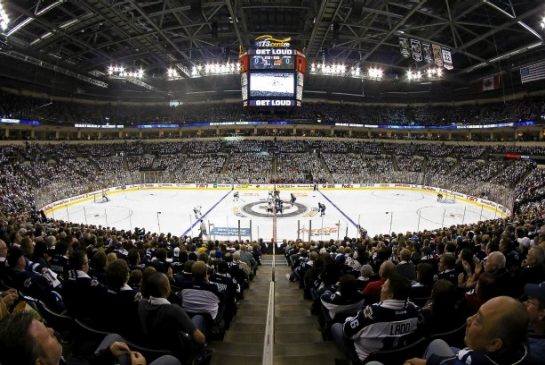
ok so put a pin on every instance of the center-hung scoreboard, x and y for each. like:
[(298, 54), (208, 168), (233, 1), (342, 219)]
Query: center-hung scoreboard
[(272, 74)]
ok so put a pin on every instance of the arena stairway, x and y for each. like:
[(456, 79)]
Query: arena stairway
[(298, 339)]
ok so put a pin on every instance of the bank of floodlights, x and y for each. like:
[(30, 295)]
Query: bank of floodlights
[(4, 18), (434, 73), (124, 73), (355, 71), (542, 23), (333, 69), (173, 74), (414, 75), (375, 73)]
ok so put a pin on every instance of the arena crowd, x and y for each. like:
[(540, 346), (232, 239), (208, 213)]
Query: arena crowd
[(147, 287)]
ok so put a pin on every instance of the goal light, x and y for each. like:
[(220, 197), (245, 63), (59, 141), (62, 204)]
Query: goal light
[(4, 18)]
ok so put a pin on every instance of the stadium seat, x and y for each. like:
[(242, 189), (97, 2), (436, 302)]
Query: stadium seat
[(453, 337), (61, 323), (398, 355)]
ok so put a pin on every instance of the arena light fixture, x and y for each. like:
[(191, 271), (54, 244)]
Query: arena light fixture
[(227, 68), (122, 73), (4, 18), (542, 23), (414, 76), (333, 69), (172, 74), (434, 73), (375, 73)]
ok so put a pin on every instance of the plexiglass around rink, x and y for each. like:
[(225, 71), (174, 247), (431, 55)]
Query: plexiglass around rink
[(246, 211)]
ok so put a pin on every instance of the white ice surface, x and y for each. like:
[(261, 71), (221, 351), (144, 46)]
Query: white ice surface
[(375, 210)]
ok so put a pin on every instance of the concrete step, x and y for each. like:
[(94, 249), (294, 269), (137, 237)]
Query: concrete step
[(281, 328), (294, 320), (247, 327), (304, 360), (313, 336), (308, 349), (227, 359), (237, 349), (244, 337)]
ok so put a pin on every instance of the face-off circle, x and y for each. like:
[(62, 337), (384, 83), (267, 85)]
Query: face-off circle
[(259, 209)]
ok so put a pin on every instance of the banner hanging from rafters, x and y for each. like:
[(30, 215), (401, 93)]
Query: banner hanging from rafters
[(404, 47), (490, 83), (416, 50), (437, 55), (426, 49), (447, 58)]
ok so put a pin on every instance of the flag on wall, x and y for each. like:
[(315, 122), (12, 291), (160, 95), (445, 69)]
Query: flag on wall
[(489, 83), (532, 72)]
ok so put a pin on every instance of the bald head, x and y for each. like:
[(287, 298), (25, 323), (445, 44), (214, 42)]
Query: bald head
[(512, 320), (494, 262), (500, 324)]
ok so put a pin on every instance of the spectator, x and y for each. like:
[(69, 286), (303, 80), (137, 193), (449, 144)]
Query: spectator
[(535, 306), (495, 335), (26, 341), (162, 321), (376, 326)]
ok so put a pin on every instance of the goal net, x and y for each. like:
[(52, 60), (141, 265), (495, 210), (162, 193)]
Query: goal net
[(101, 198)]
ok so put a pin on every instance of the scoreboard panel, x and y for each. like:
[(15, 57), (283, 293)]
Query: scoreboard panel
[(272, 77)]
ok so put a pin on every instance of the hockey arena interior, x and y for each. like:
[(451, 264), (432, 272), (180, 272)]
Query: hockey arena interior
[(325, 182)]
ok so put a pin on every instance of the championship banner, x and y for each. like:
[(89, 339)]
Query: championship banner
[(426, 49), (416, 50), (404, 47), (437, 55), (447, 58)]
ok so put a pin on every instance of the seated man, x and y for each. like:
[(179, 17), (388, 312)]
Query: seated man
[(162, 321), (29, 282), (378, 326), (121, 304), (495, 335), (83, 295), (201, 297), (26, 341), (535, 306)]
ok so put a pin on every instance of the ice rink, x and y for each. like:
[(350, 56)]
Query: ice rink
[(172, 210)]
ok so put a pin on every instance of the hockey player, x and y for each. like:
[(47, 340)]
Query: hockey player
[(105, 197), (236, 195), (280, 206), (439, 197), (292, 199), (321, 209), (197, 212)]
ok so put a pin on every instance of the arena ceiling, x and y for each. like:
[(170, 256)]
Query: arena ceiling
[(79, 39)]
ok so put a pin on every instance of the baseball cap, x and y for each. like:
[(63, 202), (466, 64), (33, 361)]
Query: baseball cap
[(536, 291)]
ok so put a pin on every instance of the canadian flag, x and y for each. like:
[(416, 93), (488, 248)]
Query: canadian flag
[(490, 83)]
